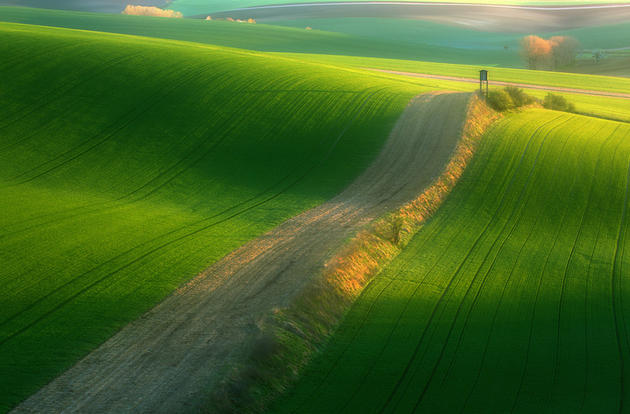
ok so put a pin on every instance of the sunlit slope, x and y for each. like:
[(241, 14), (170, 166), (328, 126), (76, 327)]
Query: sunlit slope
[(127, 165), (514, 298)]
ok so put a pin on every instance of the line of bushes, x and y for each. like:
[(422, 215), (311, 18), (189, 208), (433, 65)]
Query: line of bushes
[(512, 97)]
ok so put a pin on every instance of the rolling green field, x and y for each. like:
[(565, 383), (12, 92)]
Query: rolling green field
[(614, 63), (599, 106), (534, 77), (513, 298), (265, 37), (193, 7), (473, 46), (368, 37), (128, 165)]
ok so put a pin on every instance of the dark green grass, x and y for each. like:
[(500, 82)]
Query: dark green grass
[(513, 298), (127, 165)]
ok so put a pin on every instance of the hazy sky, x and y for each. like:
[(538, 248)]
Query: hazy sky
[(105, 6)]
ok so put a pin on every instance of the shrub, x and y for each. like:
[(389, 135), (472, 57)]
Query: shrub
[(509, 98), (558, 103), (519, 97), (500, 100)]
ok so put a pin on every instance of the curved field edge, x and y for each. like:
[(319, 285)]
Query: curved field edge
[(512, 299), (291, 336), (130, 164)]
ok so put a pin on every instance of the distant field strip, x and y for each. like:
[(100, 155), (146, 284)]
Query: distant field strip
[(499, 83), (128, 165), (514, 298)]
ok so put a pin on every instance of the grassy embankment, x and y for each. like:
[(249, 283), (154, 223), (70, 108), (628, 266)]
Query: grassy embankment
[(128, 164), (512, 299)]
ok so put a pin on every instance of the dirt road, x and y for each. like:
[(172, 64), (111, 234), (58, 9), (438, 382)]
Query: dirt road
[(498, 83), (169, 359), (486, 17)]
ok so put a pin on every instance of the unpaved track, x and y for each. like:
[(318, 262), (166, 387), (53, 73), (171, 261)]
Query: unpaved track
[(500, 83), (169, 359)]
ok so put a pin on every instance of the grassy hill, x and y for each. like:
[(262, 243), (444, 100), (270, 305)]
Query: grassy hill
[(262, 37), (473, 46), (371, 37), (129, 164), (513, 298), (193, 7)]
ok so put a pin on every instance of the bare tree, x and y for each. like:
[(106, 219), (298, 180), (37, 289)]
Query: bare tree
[(563, 50)]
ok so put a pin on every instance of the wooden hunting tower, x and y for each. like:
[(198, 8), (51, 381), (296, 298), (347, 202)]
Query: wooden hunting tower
[(483, 81)]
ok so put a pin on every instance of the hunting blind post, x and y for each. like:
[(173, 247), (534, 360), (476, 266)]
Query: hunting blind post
[(483, 80)]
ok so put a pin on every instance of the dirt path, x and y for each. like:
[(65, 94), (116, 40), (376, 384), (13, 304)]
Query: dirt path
[(498, 83), (169, 359)]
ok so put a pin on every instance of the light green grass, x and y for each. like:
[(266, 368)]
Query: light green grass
[(128, 164), (513, 298)]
